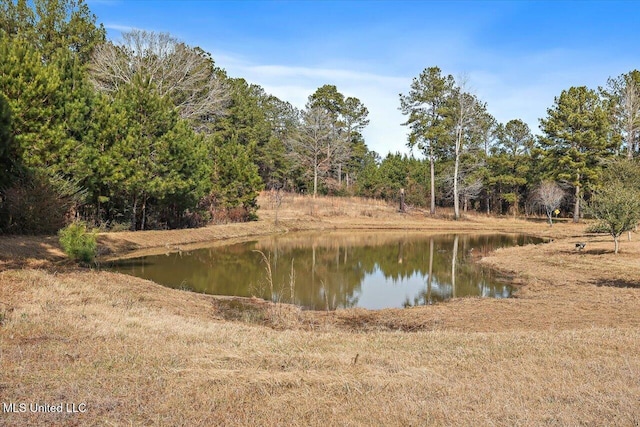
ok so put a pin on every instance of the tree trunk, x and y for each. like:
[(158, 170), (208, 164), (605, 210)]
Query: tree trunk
[(98, 216), (576, 206), (432, 209), (456, 201), (315, 181), (144, 212), (133, 214), (616, 244)]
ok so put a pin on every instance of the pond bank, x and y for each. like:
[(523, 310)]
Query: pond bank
[(555, 280)]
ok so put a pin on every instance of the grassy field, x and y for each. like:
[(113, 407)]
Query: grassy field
[(565, 351)]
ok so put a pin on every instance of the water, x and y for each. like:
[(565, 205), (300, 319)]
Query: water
[(337, 270)]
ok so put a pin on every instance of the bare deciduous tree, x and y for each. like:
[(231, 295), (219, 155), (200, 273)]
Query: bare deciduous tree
[(469, 185), (631, 113), (465, 112), (184, 74), (314, 147), (623, 93), (549, 195)]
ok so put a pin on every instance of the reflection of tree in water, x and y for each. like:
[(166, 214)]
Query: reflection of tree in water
[(452, 272), (325, 276), (330, 270)]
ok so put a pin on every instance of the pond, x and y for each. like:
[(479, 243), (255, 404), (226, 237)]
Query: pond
[(328, 271)]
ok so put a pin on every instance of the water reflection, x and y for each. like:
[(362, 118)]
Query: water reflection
[(337, 270)]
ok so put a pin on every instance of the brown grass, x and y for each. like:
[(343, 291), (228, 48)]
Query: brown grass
[(564, 352)]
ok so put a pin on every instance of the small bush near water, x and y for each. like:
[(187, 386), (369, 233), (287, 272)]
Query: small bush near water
[(78, 243)]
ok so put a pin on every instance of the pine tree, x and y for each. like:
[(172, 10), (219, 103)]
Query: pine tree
[(509, 163), (348, 117), (35, 94), (577, 137), (275, 167), (236, 182), (425, 106), (53, 25), (10, 158)]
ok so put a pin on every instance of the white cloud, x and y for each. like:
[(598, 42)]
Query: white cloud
[(121, 28)]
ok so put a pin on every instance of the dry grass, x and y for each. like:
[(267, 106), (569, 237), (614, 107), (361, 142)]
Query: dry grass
[(29, 251), (136, 353), (565, 352)]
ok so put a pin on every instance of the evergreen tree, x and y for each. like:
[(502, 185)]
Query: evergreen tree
[(425, 106), (355, 118), (394, 171), (509, 163), (53, 25), (10, 159), (369, 179), (245, 121), (44, 78), (35, 94), (145, 165), (236, 183), (577, 137), (275, 167), (348, 117), (96, 167)]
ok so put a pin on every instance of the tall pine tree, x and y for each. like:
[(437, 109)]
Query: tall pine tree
[(425, 106), (576, 138)]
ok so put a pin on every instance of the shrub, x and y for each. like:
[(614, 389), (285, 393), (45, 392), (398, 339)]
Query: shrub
[(78, 243)]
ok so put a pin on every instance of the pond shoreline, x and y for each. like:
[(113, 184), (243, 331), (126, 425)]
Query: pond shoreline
[(122, 245), (334, 268)]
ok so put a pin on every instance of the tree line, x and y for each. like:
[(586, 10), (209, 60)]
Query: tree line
[(499, 167), (148, 132)]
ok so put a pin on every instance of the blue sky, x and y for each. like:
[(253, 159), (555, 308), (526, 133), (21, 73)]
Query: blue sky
[(517, 55)]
